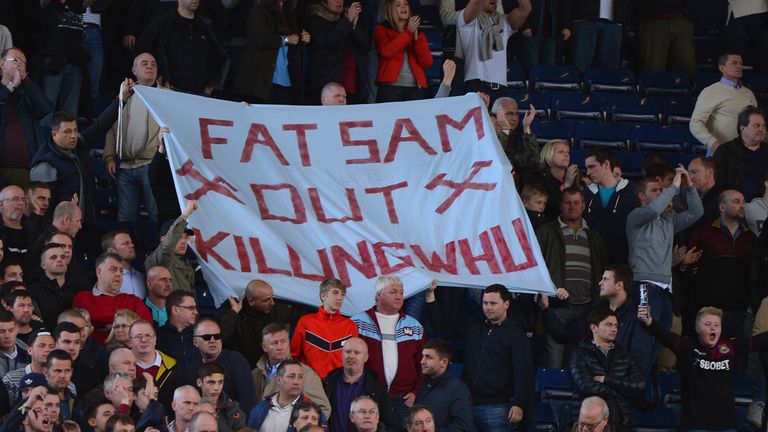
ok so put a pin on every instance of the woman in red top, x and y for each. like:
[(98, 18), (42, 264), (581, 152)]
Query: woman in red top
[(403, 54)]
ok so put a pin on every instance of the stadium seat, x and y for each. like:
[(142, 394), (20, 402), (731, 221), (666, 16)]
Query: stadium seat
[(758, 84), (669, 388), (608, 135), (544, 77), (554, 384), (657, 420), (707, 51), (457, 369), (599, 80), (434, 73), (694, 145), (545, 417), (435, 41), (656, 82), (654, 137), (678, 111), (703, 80), (576, 106), (552, 129), (633, 109), (430, 18), (538, 99), (516, 77)]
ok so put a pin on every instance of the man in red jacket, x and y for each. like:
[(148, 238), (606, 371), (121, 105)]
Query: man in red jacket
[(319, 338), (105, 299)]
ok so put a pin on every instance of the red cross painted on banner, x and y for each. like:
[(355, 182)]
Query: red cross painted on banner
[(458, 188), (218, 184)]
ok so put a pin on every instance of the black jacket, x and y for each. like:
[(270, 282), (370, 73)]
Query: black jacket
[(611, 221), (371, 388), (624, 383), (73, 175), (207, 62), (177, 344), (331, 41), (449, 400), (53, 299), (729, 164), (31, 106), (497, 358)]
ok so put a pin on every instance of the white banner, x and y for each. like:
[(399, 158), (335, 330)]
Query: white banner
[(295, 194)]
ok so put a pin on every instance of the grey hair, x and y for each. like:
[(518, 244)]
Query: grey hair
[(109, 380), (356, 401), (597, 401), (500, 101), (386, 281)]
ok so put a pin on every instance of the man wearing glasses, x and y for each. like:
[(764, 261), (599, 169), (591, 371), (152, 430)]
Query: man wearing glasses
[(593, 415), (175, 337), (238, 384), (12, 204), (105, 298), (22, 105), (154, 362), (364, 415)]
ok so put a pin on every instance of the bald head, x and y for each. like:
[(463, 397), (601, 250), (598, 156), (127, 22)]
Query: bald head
[(68, 218), (354, 355), (203, 422), (731, 205), (122, 360), (259, 296), (333, 94), (145, 69)]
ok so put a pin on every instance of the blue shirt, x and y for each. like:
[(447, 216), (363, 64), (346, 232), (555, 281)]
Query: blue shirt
[(159, 315), (345, 394), (606, 194), (281, 77), (728, 83)]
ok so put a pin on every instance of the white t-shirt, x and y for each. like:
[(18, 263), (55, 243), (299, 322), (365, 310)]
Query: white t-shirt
[(388, 327), (493, 70), (278, 418)]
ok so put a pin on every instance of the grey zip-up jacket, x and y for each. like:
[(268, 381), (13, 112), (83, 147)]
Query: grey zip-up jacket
[(650, 232)]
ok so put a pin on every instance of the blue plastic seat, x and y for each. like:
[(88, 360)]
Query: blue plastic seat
[(703, 80), (552, 129), (545, 417), (663, 82), (516, 77), (669, 388), (544, 77), (539, 100), (656, 420), (654, 137), (607, 135), (430, 17), (678, 111), (599, 80), (554, 384), (633, 109), (435, 41), (576, 106), (758, 84)]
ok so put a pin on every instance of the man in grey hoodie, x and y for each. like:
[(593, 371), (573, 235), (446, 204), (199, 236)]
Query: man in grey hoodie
[(756, 211), (650, 231)]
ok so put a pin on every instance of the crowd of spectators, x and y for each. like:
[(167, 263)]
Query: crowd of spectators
[(121, 345)]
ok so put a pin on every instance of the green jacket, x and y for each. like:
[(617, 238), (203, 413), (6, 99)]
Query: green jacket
[(552, 244), (182, 269)]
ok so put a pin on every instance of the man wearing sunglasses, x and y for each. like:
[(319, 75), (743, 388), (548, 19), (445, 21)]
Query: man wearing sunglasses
[(238, 384)]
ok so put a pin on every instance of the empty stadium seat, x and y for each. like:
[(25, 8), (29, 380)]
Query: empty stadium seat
[(544, 77), (633, 109), (758, 84), (538, 99), (545, 417), (434, 73), (657, 420), (554, 384), (608, 135), (598, 80), (430, 17), (666, 82), (703, 80), (654, 137), (552, 129), (678, 111), (669, 388), (516, 77), (435, 41), (576, 106)]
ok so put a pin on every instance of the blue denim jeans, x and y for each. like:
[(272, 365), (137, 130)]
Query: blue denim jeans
[(132, 187), (493, 418), (598, 43), (94, 44), (63, 90)]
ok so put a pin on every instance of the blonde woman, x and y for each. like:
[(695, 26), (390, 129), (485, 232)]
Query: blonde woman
[(118, 336), (403, 54), (555, 174)]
